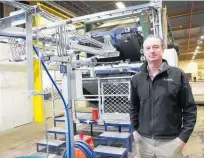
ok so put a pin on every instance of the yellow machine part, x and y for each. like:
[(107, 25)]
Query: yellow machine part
[(62, 14), (38, 110), (38, 99)]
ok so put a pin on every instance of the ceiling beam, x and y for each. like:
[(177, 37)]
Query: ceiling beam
[(183, 27), (189, 58), (185, 53), (193, 46), (187, 36), (190, 49), (190, 43), (183, 12)]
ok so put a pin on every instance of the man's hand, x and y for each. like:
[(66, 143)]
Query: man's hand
[(181, 143), (135, 134)]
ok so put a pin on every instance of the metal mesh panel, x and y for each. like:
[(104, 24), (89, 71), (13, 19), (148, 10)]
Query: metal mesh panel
[(116, 104), (17, 49), (55, 93), (115, 96), (115, 88)]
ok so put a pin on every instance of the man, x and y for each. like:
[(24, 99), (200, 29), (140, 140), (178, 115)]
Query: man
[(162, 108)]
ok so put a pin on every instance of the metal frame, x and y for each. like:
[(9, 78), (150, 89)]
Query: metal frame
[(106, 95), (29, 50), (124, 154), (128, 125), (127, 141), (57, 147), (66, 84), (56, 132), (116, 11), (54, 96), (100, 98)]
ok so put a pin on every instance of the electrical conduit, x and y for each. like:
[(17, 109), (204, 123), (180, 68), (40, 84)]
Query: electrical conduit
[(190, 25)]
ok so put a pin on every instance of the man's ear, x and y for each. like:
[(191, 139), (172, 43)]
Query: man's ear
[(163, 48)]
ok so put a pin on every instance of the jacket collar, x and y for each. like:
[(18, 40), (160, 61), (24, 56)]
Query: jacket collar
[(165, 67)]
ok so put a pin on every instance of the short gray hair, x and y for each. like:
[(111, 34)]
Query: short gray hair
[(154, 36)]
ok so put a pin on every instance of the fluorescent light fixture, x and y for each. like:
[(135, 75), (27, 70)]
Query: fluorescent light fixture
[(202, 37), (197, 47), (120, 5), (199, 41)]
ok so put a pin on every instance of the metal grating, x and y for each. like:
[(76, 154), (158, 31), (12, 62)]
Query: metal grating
[(17, 48), (115, 96), (55, 93), (116, 88)]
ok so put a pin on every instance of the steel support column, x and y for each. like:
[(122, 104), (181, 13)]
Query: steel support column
[(29, 52)]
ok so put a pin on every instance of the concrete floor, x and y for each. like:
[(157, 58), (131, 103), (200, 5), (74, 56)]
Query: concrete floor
[(22, 140)]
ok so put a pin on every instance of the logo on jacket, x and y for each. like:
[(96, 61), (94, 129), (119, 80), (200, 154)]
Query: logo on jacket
[(168, 79)]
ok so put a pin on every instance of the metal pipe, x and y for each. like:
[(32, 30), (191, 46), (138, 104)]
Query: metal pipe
[(56, 24), (185, 21), (190, 24), (16, 4), (86, 62), (54, 12), (88, 99), (57, 6), (159, 22), (106, 78), (131, 8)]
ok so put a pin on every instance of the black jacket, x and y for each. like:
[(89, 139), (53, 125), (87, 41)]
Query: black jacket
[(157, 107)]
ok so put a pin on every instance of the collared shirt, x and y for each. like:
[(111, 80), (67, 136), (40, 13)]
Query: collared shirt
[(158, 71)]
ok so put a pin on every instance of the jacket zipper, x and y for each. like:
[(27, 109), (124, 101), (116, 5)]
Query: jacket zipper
[(153, 96), (152, 109)]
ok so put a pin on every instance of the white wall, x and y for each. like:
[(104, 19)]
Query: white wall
[(195, 67), (15, 108)]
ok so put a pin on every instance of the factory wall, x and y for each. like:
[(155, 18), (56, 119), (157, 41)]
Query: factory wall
[(196, 68), (7, 10), (15, 107)]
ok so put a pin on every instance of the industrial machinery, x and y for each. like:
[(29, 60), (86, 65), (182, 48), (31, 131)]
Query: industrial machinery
[(113, 52)]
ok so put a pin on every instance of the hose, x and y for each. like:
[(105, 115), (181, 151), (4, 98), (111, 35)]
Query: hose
[(85, 147), (82, 145), (64, 103)]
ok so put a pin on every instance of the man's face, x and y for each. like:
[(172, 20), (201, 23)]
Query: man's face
[(153, 49)]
